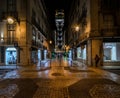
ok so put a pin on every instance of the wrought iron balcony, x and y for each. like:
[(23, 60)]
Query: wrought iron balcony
[(36, 24), (113, 31), (36, 44), (8, 41)]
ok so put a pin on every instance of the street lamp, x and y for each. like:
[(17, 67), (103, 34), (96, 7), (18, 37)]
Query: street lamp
[(50, 42), (77, 28), (77, 31), (10, 20)]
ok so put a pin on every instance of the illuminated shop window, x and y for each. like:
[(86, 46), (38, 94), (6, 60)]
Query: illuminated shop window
[(111, 51), (11, 56), (81, 53)]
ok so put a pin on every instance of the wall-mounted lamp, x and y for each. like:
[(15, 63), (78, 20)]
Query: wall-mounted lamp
[(10, 20), (77, 28)]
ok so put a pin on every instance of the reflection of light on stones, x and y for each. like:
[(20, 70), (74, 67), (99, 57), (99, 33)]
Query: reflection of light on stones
[(105, 91), (9, 91)]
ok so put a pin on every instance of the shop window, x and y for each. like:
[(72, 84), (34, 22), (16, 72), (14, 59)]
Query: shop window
[(11, 5), (11, 56), (81, 53), (111, 51)]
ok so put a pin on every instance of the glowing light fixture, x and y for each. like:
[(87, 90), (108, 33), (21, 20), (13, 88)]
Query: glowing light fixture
[(77, 28), (10, 20), (50, 42)]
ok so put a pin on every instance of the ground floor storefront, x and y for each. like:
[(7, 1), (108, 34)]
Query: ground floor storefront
[(107, 51), (10, 55)]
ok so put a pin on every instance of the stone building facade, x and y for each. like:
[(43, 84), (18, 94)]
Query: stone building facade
[(99, 31), (24, 41)]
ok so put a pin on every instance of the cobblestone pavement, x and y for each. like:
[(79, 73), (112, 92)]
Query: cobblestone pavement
[(59, 81)]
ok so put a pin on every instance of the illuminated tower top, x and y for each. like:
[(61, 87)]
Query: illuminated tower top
[(59, 20)]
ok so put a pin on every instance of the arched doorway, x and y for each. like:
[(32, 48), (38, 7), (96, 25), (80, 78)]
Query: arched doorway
[(11, 56)]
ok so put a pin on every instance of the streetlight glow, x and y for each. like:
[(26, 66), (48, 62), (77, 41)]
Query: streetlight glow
[(50, 42), (77, 28), (10, 20)]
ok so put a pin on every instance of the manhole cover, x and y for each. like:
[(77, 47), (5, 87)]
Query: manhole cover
[(57, 74)]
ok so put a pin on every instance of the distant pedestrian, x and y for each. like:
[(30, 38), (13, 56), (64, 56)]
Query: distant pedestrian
[(97, 58)]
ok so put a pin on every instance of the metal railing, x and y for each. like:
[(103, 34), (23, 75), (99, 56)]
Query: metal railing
[(8, 41)]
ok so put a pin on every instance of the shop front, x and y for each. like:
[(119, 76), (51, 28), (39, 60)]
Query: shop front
[(11, 56), (111, 52)]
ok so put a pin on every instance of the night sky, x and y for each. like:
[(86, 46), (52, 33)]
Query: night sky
[(52, 5)]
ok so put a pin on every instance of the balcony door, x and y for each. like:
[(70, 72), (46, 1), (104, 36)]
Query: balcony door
[(11, 33)]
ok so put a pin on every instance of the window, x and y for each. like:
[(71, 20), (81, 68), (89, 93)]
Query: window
[(81, 53), (108, 21), (110, 4), (11, 5), (39, 36), (11, 33), (33, 16), (111, 51)]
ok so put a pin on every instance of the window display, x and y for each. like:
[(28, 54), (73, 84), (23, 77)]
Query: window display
[(111, 51)]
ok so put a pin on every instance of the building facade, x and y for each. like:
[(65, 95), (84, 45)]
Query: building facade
[(24, 31), (99, 31)]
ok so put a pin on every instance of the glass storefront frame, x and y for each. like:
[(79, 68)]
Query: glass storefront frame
[(111, 51), (11, 56)]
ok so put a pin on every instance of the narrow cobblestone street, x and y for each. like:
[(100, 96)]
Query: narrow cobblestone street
[(57, 79)]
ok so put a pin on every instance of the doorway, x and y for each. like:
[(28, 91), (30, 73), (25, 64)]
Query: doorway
[(11, 56)]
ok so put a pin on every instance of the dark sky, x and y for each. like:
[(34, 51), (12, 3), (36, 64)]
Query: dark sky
[(52, 5)]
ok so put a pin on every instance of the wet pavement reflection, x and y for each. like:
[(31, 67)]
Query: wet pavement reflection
[(8, 91), (59, 79)]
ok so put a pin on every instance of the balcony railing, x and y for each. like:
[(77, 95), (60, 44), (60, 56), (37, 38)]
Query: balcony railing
[(36, 44), (113, 31), (34, 22), (8, 41)]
